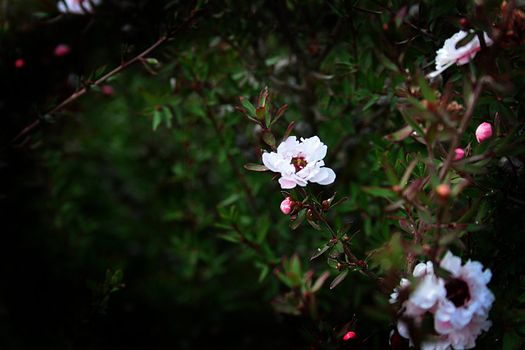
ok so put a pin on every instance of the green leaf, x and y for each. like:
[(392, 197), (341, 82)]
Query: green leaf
[(380, 192), (269, 139), (320, 281), (338, 279), (426, 90), (321, 251), (314, 224), (249, 107), (230, 237), (255, 167), (400, 135), (371, 102), (157, 119), (299, 220), (279, 114)]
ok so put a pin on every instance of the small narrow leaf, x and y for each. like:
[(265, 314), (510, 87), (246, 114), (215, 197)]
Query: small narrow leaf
[(320, 281), (426, 90), (157, 119), (269, 139), (255, 167), (248, 106), (320, 251), (279, 114), (299, 220), (400, 135), (314, 224), (288, 130), (379, 192), (338, 279)]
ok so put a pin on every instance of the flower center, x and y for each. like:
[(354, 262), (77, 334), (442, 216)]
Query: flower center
[(457, 291), (299, 163)]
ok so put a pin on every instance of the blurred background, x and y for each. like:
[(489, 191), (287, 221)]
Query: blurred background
[(128, 219)]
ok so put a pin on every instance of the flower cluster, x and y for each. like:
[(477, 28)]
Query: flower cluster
[(459, 304), (451, 54), (299, 162), (77, 7)]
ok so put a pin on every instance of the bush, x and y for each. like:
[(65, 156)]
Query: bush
[(133, 216)]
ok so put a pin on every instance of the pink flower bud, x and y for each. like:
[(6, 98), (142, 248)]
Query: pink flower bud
[(107, 90), (62, 50), (443, 190), (19, 63), (286, 206), (483, 132), (459, 154), (349, 335)]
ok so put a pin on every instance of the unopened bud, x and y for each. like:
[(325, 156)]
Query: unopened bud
[(443, 190), (483, 132), (349, 335), (19, 63), (464, 22), (107, 90), (287, 206), (326, 204), (459, 153), (62, 50)]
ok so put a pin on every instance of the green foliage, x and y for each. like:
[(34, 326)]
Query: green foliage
[(141, 199)]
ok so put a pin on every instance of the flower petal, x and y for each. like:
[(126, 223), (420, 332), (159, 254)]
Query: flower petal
[(271, 161), (287, 183)]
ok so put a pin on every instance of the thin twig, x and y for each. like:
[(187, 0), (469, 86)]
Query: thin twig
[(139, 58)]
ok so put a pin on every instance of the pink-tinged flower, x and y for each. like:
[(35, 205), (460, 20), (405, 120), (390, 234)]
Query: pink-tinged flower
[(459, 153), (20, 63), (428, 291), (287, 206), (299, 162), (78, 7), (483, 132), (463, 314), (107, 90), (62, 50), (450, 54), (459, 304)]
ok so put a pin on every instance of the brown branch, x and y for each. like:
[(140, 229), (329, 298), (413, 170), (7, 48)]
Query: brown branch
[(139, 58)]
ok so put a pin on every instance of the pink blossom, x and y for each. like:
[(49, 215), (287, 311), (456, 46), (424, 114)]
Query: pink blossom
[(62, 50), (450, 54), (483, 132), (299, 162), (459, 153), (286, 206)]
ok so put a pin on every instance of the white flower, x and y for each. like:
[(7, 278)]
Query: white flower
[(77, 7), (424, 298), (459, 304), (463, 313), (449, 54), (299, 162)]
